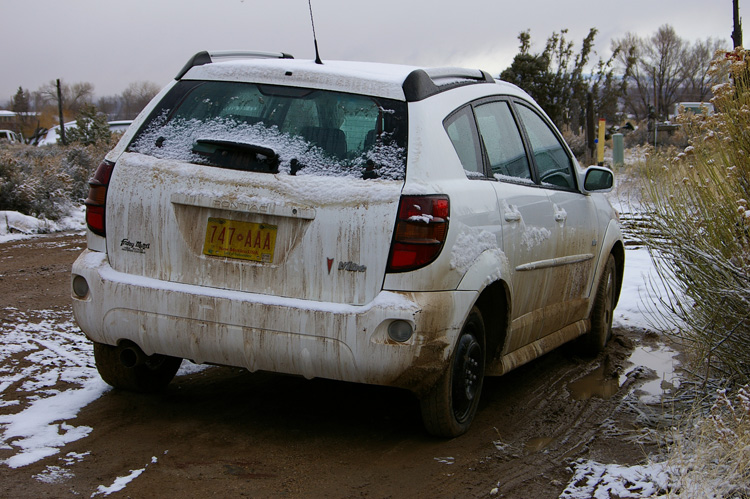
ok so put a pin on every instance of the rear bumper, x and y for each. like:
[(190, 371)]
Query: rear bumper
[(262, 332)]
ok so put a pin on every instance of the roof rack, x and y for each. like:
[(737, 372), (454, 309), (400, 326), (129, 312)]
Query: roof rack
[(423, 83), (205, 57)]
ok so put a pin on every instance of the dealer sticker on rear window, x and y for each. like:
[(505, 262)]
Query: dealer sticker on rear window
[(243, 240)]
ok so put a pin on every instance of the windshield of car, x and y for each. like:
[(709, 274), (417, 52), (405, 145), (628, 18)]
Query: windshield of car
[(275, 129)]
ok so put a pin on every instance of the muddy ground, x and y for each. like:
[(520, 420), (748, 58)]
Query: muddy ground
[(224, 432)]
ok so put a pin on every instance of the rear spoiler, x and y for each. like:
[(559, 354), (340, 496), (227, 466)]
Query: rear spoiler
[(423, 83)]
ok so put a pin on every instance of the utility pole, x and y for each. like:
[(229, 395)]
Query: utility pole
[(737, 32), (60, 110)]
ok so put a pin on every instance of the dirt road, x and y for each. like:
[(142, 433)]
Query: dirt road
[(224, 432)]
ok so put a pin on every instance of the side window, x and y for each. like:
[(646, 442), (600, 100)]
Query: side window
[(552, 161), (502, 140), (463, 134)]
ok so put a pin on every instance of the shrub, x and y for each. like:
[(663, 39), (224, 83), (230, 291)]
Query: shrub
[(700, 233), (91, 128), (709, 452), (46, 181)]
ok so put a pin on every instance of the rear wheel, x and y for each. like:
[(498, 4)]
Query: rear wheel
[(449, 407), (126, 367), (602, 312)]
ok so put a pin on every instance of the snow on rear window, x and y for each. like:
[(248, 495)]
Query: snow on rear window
[(286, 130)]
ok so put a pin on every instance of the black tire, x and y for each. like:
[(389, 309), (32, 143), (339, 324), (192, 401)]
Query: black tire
[(150, 375), (603, 310), (449, 407)]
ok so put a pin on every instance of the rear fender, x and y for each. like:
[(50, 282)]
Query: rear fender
[(491, 266), (489, 275)]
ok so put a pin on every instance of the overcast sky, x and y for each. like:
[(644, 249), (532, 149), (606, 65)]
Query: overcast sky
[(113, 43)]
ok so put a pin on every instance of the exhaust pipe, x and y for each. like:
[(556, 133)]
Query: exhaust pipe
[(131, 355)]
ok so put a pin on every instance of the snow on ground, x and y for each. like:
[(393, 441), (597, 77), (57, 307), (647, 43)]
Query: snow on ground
[(14, 225)]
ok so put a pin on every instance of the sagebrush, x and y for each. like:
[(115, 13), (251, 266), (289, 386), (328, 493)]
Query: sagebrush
[(700, 229), (45, 182)]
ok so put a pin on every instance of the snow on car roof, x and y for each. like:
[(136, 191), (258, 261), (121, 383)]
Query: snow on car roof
[(368, 78)]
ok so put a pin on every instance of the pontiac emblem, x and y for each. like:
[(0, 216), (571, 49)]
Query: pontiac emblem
[(330, 264)]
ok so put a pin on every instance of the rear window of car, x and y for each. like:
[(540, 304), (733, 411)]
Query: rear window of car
[(277, 129)]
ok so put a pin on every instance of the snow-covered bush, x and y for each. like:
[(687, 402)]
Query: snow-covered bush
[(700, 228), (46, 181)]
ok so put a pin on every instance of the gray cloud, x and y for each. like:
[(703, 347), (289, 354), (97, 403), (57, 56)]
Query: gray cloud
[(111, 44)]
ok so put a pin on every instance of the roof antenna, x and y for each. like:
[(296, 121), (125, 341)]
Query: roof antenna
[(315, 38)]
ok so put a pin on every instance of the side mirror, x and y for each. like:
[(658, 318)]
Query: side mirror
[(598, 179)]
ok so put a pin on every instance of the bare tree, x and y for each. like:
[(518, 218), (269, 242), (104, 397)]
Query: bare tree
[(665, 69), (111, 106), (74, 96), (666, 59), (136, 96), (698, 80)]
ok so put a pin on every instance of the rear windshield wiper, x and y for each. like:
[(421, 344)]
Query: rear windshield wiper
[(237, 155)]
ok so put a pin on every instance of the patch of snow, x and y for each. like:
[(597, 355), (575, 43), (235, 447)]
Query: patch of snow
[(54, 351), (638, 278), (534, 236), (470, 243), (15, 226), (592, 480), (121, 482)]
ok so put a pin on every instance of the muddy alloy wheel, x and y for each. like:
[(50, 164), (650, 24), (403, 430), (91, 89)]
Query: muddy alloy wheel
[(151, 375), (602, 312), (449, 408)]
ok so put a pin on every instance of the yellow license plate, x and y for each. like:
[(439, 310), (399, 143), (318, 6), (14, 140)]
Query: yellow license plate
[(244, 240)]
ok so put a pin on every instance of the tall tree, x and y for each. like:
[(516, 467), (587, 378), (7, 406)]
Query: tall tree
[(698, 79), (136, 96), (665, 69), (20, 101), (556, 78), (74, 96), (20, 104)]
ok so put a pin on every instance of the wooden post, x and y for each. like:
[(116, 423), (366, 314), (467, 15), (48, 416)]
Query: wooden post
[(60, 110), (737, 33), (590, 129)]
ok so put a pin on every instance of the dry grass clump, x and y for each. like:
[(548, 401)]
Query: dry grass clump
[(709, 454), (699, 234)]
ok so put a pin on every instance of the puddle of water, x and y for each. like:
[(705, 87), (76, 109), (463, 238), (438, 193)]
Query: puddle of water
[(539, 443), (595, 384), (662, 361)]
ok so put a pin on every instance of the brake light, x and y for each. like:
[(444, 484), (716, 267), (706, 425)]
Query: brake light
[(421, 229), (96, 202)]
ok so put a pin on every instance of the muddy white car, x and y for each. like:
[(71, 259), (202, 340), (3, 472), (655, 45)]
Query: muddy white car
[(392, 225)]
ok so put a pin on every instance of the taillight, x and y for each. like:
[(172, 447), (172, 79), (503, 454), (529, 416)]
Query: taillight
[(97, 200), (421, 229)]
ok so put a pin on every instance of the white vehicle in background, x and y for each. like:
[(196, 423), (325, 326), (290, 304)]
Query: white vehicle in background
[(393, 225), (11, 137), (706, 108), (53, 134)]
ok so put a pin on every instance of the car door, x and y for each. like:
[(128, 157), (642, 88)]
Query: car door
[(574, 229), (527, 215)]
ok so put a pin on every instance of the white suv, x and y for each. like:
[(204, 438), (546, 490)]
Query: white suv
[(392, 225)]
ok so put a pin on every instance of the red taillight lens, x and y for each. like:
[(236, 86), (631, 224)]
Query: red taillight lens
[(421, 229), (97, 200)]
